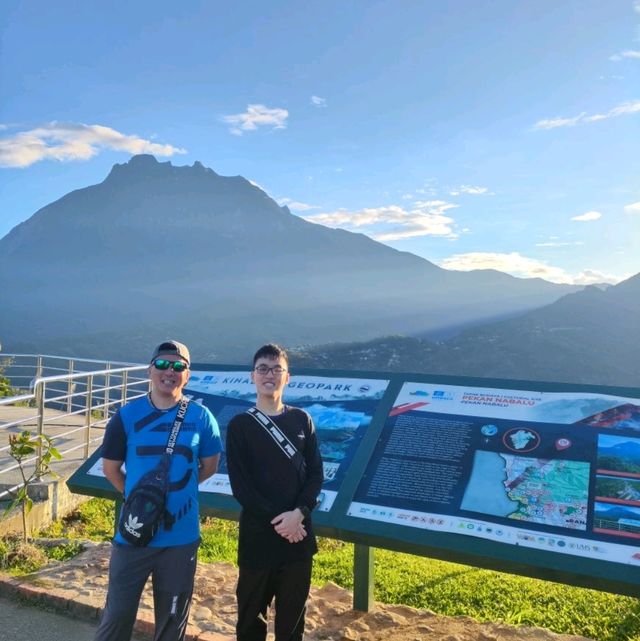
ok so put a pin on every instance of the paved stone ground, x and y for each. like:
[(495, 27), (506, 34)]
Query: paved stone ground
[(77, 588)]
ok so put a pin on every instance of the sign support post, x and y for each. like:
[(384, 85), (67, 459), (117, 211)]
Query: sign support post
[(362, 577)]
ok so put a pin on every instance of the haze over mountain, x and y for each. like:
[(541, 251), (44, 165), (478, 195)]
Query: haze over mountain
[(157, 250), (591, 336)]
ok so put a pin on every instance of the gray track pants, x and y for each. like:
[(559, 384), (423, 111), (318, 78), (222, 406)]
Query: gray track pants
[(173, 571)]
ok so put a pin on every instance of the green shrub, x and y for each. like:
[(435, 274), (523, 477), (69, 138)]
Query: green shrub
[(18, 557), (92, 520), (63, 552), (21, 558)]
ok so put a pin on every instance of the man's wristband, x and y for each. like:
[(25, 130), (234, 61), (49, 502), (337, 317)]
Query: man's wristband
[(305, 511)]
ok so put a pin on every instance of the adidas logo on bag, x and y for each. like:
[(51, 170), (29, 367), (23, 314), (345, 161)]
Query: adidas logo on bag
[(133, 525)]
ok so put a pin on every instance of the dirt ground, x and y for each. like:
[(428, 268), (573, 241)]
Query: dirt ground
[(329, 616)]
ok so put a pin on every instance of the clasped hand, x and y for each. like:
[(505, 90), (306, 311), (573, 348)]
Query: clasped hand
[(289, 526)]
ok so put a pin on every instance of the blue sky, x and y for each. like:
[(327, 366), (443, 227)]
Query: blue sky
[(475, 134)]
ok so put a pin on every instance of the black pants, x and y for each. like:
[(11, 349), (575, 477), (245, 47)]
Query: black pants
[(257, 587), (173, 570)]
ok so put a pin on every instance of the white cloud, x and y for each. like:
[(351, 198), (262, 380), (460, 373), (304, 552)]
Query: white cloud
[(435, 206), (470, 189), (385, 224), (316, 101), (629, 53), (552, 123), (523, 267), (587, 217), (72, 141), (626, 108), (633, 208), (296, 206), (636, 6), (256, 116), (559, 243)]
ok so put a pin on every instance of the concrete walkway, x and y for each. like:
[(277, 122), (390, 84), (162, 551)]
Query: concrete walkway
[(20, 621), (69, 434)]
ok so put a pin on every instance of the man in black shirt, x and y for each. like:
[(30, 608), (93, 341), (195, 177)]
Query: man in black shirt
[(277, 488)]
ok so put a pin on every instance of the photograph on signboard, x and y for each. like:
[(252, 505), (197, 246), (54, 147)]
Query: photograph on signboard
[(618, 489), (341, 409), (513, 466), (625, 416), (619, 455), (617, 520)]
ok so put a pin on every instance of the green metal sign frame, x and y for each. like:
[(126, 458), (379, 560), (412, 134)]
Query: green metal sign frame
[(560, 567)]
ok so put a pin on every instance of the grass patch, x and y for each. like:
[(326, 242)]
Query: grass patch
[(92, 520), (445, 588), (19, 558)]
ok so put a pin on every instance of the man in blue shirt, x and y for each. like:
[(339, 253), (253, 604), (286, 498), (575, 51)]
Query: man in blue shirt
[(137, 436)]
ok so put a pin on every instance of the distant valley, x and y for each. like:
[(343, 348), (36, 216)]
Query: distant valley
[(591, 336)]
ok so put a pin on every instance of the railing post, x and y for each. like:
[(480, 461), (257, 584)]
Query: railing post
[(107, 396), (40, 392), (123, 394), (88, 415), (70, 387), (362, 577)]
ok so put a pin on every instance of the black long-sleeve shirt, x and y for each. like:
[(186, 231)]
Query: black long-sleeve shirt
[(266, 483)]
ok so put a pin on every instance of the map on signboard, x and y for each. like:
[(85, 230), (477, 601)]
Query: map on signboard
[(549, 492)]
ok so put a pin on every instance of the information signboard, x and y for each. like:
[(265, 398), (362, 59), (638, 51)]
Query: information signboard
[(341, 407), (538, 479), (554, 471)]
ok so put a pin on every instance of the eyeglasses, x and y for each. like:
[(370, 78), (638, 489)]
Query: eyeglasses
[(263, 370), (176, 366)]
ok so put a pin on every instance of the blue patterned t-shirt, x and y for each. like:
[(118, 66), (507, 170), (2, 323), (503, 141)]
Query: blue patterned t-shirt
[(137, 434)]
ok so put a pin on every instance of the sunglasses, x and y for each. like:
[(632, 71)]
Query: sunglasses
[(176, 366)]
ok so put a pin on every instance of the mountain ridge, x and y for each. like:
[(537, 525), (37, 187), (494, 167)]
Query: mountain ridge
[(589, 337), (106, 260)]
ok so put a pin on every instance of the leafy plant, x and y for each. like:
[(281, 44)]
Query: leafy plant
[(5, 383), (22, 449)]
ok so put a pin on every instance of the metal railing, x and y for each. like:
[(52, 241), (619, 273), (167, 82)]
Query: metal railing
[(71, 408)]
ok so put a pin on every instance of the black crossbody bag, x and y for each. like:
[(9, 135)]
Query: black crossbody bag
[(145, 508)]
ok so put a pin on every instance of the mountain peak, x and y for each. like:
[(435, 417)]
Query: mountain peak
[(147, 166), (138, 166), (143, 160)]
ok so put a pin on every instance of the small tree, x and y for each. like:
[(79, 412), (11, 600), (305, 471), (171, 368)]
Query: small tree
[(5, 383), (21, 448)]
